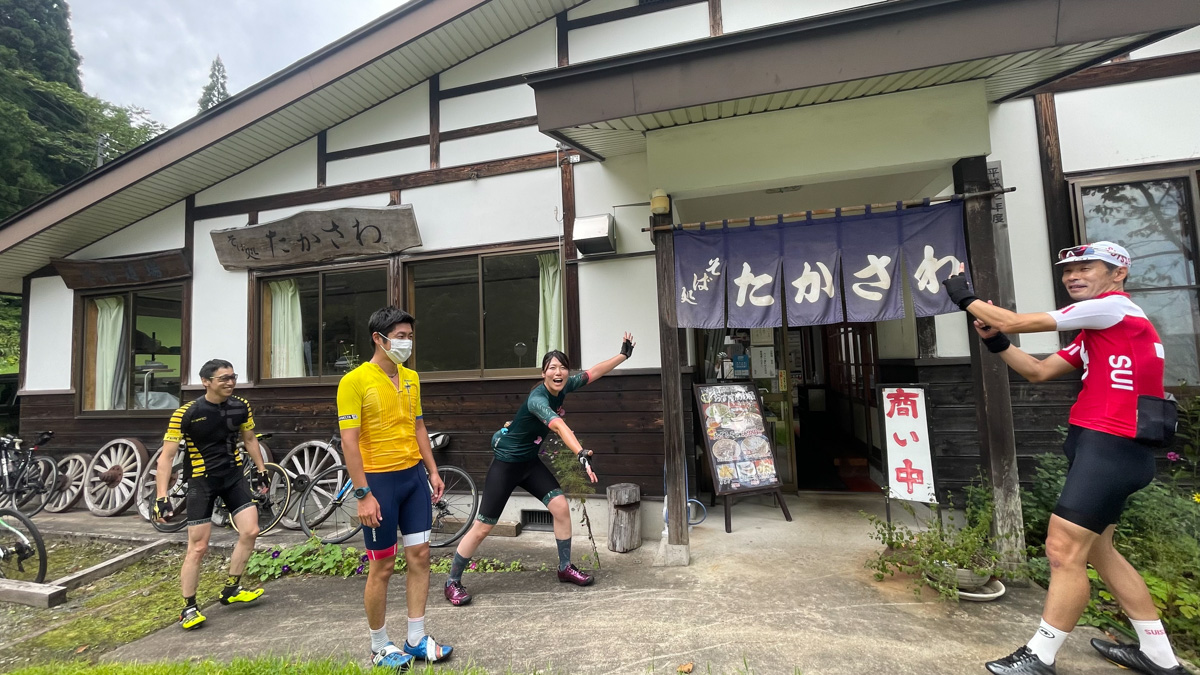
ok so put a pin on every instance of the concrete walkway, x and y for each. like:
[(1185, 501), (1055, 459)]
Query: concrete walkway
[(772, 597)]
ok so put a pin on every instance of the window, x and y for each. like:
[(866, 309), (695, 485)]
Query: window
[(132, 350), (1153, 214), (486, 315), (314, 325)]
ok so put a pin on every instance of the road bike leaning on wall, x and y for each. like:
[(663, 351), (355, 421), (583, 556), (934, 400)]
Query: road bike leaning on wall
[(22, 551), (271, 504), (329, 511), (26, 482)]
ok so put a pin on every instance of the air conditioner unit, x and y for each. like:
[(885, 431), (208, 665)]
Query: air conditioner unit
[(595, 235)]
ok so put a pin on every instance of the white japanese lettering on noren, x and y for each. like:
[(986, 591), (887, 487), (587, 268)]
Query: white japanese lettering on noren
[(927, 272), (876, 267), (747, 279), (809, 284)]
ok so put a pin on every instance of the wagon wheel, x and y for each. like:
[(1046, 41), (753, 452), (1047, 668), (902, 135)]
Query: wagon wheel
[(300, 464), (110, 482), (147, 489), (70, 483)]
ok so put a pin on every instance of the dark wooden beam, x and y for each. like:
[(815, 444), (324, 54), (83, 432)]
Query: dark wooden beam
[(628, 12), (322, 158), (435, 153), (571, 281), (926, 337), (393, 197), (675, 452), (23, 357), (1056, 194), (489, 128), (564, 45), (990, 386), (1123, 72), (497, 167), (189, 254), (716, 24), (377, 148), (252, 218), (477, 87)]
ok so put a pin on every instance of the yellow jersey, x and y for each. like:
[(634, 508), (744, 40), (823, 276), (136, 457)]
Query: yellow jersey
[(386, 415)]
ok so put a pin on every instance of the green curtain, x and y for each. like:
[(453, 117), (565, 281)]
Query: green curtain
[(550, 305), (287, 330), (110, 331)]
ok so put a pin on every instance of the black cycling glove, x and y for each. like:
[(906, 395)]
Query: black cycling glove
[(162, 508), (260, 480), (585, 457), (959, 290), (997, 343), (627, 348)]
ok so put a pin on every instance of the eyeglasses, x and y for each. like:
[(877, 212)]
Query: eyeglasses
[(1075, 252), (225, 378)]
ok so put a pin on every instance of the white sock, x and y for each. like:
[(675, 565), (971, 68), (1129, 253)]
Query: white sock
[(379, 638), (1046, 641), (1154, 643), (416, 631)]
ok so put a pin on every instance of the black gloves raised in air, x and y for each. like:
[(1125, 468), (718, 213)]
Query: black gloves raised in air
[(627, 348), (959, 290)]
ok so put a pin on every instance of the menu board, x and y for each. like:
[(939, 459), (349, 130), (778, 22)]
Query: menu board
[(740, 452)]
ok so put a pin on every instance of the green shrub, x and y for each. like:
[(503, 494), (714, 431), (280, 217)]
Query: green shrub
[(313, 557)]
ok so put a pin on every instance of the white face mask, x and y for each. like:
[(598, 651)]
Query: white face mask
[(400, 350)]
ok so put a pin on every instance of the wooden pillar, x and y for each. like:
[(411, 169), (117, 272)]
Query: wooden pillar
[(570, 253), (435, 122), (674, 551), (989, 374), (1055, 193)]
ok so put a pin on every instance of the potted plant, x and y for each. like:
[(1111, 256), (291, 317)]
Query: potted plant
[(943, 553)]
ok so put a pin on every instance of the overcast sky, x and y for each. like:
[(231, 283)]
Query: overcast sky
[(156, 53)]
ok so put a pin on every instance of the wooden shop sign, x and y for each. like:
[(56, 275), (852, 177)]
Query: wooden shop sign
[(146, 268)]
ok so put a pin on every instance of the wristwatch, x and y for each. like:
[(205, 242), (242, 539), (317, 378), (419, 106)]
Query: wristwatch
[(361, 492)]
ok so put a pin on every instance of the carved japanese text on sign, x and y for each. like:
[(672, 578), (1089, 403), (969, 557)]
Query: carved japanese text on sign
[(318, 236), (738, 441), (146, 268), (906, 435)]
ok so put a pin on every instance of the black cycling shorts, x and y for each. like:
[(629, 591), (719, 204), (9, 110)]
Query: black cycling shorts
[(1104, 471), (232, 487), (505, 477)]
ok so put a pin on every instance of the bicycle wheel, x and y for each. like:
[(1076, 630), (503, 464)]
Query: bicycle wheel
[(69, 489), (454, 512), (22, 551), (110, 483), (36, 487), (328, 507), (274, 503), (147, 492), (302, 463)]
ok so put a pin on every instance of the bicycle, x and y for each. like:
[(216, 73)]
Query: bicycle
[(21, 543), (329, 510), (302, 463), (26, 482), (271, 504)]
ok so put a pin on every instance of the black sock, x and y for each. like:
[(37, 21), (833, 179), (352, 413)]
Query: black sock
[(232, 582), (564, 553), (189, 601), (457, 568)]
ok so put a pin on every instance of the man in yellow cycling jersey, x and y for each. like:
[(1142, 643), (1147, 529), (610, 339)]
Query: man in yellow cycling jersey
[(210, 428), (391, 466)]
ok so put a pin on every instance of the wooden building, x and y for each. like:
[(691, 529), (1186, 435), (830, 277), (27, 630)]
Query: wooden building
[(504, 123)]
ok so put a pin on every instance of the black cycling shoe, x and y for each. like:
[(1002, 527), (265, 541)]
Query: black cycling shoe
[(1133, 658), (1021, 662)]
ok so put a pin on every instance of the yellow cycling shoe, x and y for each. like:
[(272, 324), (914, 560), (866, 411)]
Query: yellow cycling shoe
[(190, 618), (242, 595)]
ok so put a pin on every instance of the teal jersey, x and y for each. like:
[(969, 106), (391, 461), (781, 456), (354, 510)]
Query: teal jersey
[(520, 441)]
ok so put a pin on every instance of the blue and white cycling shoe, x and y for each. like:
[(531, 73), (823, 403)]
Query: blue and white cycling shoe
[(391, 657), (428, 650)]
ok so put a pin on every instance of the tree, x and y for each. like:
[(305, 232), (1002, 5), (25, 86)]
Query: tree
[(215, 91), (10, 333), (37, 34)]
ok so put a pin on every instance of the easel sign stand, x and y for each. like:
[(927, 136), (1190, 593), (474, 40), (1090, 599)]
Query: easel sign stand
[(907, 455), (741, 456)]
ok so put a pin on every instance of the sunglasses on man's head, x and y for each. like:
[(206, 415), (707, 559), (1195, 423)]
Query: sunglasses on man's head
[(225, 378), (1075, 252)]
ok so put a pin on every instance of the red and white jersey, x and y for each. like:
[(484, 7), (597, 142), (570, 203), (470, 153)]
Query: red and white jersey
[(1121, 356)]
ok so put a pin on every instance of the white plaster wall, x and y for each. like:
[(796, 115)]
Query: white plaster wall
[(511, 143), (492, 210), (535, 49), (1187, 41), (48, 351), (157, 232), (403, 116), (1014, 144), (620, 186), (394, 163), (381, 199), (615, 297), (219, 327), (599, 7), (291, 170), (1130, 124), (875, 136), (496, 105), (639, 33), (744, 14)]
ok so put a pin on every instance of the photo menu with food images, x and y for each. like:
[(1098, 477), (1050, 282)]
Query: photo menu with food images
[(741, 452)]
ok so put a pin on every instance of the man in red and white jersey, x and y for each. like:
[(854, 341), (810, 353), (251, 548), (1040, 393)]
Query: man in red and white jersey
[(1121, 356)]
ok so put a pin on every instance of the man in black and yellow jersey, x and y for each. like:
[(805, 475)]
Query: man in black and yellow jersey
[(395, 481), (210, 428)]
